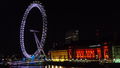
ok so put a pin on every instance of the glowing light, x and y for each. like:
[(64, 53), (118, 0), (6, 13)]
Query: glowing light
[(52, 66), (49, 66), (56, 66), (105, 43), (95, 45), (116, 60), (60, 66), (45, 66)]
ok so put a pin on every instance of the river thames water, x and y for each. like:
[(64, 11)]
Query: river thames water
[(47, 66), (55, 66)]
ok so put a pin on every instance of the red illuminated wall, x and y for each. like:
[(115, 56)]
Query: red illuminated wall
[(90, 53), (80, 54), (85, 53), (70, 53), (99, 54), (106, 53)]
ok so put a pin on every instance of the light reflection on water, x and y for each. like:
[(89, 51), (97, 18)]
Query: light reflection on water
[(47, 66)]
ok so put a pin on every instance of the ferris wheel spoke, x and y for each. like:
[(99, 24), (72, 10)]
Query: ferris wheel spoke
[(37, 52)]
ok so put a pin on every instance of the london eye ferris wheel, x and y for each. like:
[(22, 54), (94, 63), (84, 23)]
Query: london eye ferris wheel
[(40, 43)]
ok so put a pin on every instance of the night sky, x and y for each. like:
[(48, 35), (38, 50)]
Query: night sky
[(62, 16)]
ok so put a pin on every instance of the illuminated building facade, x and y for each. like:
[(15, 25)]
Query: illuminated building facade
[(99, 55), (106, 53), (59, 55), (94, 53), (85, 53), (102, 53), (116, 53)]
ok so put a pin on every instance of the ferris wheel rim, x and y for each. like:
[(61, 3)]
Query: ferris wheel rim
[(23, 23)]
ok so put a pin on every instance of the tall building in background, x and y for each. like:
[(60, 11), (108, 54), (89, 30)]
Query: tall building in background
[(71, 36), (101, 33), (97, 35)]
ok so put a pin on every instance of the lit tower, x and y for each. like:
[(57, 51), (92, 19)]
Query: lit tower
[(72, 36)]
